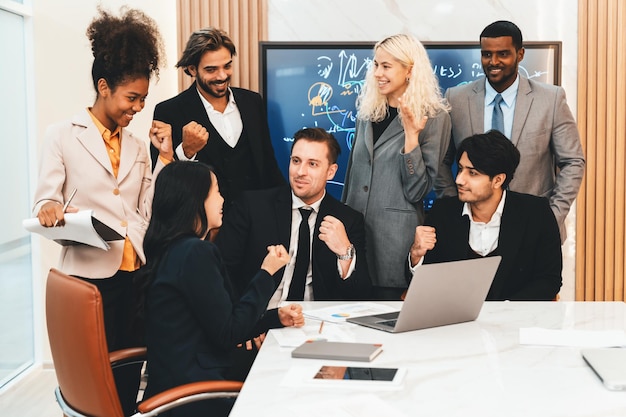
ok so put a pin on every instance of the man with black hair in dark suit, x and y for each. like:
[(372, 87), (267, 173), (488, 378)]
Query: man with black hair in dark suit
[(487, 220)]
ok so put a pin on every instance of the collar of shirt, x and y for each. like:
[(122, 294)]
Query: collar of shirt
[(228, 124), (296, 203), (104, 131), (508, 96), (230, 107), (112, 142), (495, 218), (508, 106), (483, 237)]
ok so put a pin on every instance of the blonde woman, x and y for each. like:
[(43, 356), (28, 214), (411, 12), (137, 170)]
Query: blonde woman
[(402, 134)]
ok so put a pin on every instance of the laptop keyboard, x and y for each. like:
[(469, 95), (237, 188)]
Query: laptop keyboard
[(388, 323)]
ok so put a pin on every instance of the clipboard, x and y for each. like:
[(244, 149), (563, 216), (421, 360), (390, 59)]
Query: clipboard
[(80, 228)]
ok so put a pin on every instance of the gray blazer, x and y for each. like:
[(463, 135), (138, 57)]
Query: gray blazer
[(545, 133), (388, 186)]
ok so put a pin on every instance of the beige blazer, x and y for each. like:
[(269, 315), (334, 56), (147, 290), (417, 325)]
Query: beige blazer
[(74, 156)]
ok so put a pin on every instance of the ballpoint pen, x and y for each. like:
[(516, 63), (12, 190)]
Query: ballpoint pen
[(66, 205)]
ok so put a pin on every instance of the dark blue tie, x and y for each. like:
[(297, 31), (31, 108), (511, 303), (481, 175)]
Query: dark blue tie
[(497, 120), (298, 280)]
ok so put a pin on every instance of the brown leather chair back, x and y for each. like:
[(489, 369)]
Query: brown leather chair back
[(78, 344)]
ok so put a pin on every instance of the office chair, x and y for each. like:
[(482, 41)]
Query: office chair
[(84, 367)]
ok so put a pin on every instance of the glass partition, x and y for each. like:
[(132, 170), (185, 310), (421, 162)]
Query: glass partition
[(16, 290)]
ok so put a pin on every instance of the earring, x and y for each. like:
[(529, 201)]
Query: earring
[(407, 80)]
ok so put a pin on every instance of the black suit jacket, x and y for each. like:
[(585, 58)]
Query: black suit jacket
[(194, 321), (529, 244), (187, 107), (262, 218)]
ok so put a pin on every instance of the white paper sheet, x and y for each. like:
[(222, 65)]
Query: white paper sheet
[(339, 313), (573, 338), (293, 337), (79, 227)]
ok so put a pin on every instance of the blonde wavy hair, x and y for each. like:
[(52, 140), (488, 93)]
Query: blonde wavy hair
[(423, 95)]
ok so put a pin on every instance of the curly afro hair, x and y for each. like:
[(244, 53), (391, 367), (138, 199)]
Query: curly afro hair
[(125, 47)]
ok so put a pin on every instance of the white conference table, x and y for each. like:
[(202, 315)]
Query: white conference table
[(470, 369)]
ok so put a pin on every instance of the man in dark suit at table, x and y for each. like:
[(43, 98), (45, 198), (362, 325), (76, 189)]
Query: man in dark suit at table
[(487, 220), (533, 115), (334, 268), (223, 126)]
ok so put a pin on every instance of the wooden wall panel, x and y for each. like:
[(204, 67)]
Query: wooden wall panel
[(245, 21), (600, 211)]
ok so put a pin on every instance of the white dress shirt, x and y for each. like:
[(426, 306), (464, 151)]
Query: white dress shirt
[(228, 124), (508, 106), (281, 293), (483, 237)]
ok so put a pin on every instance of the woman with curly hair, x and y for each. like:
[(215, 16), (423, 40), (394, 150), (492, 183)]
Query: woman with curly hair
[(109, 167), (402, 134)]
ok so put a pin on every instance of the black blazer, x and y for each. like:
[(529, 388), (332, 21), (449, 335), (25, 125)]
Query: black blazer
[(529, 244), (187, 107), (262, 218), (194, 321)]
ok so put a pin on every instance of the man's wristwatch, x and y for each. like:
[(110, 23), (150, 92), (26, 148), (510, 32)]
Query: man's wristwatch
[(349, 254)]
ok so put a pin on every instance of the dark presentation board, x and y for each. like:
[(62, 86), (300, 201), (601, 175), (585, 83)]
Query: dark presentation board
[(316, 84)]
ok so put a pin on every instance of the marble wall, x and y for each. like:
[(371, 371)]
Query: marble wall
[(441, 20)]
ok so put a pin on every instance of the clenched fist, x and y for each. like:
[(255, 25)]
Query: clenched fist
[(195, 137)]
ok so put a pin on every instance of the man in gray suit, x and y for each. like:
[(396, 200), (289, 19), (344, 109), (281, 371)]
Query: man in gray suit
[(533, 115)]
